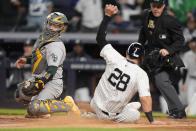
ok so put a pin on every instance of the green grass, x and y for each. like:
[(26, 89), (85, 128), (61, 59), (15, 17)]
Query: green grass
[(4, 111)]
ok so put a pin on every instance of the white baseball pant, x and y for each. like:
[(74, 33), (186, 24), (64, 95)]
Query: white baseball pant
[(129, 114)]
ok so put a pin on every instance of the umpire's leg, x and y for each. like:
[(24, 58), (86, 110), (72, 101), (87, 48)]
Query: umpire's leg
[(164, 84)]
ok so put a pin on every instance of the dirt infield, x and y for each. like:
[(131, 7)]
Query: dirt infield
[(69, 120)]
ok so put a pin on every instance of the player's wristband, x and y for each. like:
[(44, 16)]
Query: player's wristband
[(149, 116), (28, 60), (107, 18), (50, 72)]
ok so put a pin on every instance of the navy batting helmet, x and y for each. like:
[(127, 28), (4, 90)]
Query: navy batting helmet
[(135, 50)]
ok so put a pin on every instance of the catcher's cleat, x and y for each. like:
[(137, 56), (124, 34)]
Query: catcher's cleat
[(69, 101), (46, 116)]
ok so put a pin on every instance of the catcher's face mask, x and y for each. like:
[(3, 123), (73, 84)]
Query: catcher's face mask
[(56, 27), (56, 22)]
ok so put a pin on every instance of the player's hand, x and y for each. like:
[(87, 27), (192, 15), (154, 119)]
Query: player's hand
[(21, 62), (164, 52), (39, 84), (111, 10), (158, 123)]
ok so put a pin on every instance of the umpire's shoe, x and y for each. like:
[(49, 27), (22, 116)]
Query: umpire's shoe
[(69, 100), (176, 114)]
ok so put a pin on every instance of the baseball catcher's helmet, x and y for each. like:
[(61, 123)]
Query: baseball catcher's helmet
[(135, 50), (58, 19)]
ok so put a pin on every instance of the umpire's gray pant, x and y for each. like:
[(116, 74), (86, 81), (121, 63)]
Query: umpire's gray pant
[(164, 84)]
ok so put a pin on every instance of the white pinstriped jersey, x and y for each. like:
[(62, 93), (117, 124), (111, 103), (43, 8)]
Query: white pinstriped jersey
[(120, 82)]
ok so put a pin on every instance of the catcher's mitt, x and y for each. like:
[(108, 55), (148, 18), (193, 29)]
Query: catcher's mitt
[(29, 88)]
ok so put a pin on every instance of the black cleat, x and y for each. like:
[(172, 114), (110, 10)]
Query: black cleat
[(175, 114)]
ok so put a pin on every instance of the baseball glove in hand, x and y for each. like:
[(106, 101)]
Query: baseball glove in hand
[(31, 87)]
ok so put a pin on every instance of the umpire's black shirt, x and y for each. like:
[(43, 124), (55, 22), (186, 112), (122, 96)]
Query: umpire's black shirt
[(162, 32)]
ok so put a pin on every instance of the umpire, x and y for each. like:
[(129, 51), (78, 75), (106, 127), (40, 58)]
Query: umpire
[(163, 33)]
